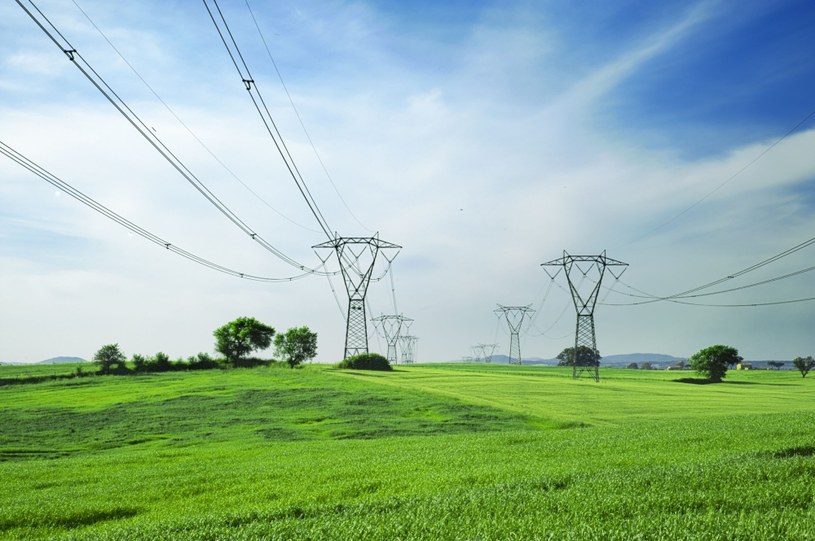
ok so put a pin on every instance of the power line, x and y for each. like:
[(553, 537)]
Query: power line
[(120, 105), (124, 222), (268, 121), (300, 120), (693, 292), (186, 127), (729, 179)]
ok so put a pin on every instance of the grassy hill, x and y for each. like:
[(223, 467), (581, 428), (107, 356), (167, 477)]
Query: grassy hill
[(425, 452)]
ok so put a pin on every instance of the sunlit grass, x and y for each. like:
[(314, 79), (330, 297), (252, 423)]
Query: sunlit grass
[(425, 452)]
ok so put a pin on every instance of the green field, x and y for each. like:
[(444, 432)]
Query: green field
[(424, 452)]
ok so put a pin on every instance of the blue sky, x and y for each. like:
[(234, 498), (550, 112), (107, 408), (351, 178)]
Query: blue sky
[(484, 137)]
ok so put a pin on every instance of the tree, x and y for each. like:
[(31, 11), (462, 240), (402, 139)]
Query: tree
[(804, 364), (775, 364), (712, 361), (238, 338), (296, 345), (585, 357), (632, 366), (109, 356), (646, 366)]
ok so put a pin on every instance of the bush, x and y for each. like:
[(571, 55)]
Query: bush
[(202, 361), (160, 362), (139, 362), (366, 361)]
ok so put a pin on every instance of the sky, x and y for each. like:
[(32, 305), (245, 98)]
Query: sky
[(485, 138)]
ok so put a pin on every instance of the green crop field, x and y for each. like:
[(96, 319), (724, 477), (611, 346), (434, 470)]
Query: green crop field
[(424, 452)]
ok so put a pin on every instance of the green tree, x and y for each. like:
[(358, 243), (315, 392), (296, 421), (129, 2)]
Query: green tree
[(585, 357), (804, 364), (632, 366), (646, 366), (238, 338), (713, 361), (110, 358), (296, 345)]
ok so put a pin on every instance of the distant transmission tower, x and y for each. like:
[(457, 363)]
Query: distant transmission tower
[(515, 317), (408, 344), (483, 352), (392, 326), (357, 257), (592, 267)]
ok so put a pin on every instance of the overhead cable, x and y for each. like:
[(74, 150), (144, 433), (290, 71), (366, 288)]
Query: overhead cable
[(124, 222), (250, 85), (729, 179), (300, 119), (186, 127), (87, 70)]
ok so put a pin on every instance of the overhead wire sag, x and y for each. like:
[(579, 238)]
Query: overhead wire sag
[(267, 119), (119, 104), (300, 119), (55, 181), (184, 124)]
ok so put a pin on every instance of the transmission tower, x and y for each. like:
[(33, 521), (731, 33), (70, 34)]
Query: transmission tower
[(592, 267), (483, 352), (392, 327), (357, 257), (408, 344), (515, 317)]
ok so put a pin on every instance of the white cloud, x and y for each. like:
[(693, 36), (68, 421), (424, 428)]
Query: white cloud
[(478, 187)]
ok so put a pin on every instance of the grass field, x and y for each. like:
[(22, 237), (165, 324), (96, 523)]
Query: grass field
[(425, 452)]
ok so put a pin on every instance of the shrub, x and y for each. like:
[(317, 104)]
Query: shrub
[(160, 362), (366, 361), (139, 362), (202, 361)]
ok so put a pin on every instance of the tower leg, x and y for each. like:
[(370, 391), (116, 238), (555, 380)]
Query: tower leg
[(356, 332), (585, 337), (514, 348)]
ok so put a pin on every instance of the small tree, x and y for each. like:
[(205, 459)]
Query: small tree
[(633, 366), (585, 357), (297, 345), (804, 364), (712, 362), (238, 338), (778, 365), (646, 366), (108, 357)]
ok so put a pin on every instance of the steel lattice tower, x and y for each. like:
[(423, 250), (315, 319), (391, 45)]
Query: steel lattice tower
[(408, 343), (515, 317), (481, 352), (592, 267), (357, 257), (392, 327)]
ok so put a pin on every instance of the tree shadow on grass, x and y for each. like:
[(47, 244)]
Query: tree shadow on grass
[(705, 381), (696, 381)]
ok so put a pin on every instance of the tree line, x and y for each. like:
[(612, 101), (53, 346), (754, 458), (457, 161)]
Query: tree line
[(711, 362), (235, 340)]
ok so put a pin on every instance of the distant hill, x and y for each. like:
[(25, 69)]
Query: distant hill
[(656, 359), (62, 359)]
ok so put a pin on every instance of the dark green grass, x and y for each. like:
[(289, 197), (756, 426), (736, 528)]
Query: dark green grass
[(421, 453)]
